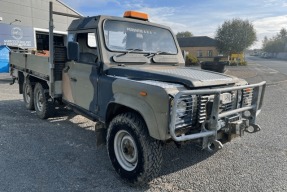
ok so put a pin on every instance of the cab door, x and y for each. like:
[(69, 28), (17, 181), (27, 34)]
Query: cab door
[(80, 77)]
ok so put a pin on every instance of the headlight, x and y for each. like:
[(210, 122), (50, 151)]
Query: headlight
[(181, 108), (185, 111)]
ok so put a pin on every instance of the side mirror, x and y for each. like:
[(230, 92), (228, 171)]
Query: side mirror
[(184, 54), (73, 51)]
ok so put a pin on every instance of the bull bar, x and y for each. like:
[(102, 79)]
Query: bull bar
[(254, 109)]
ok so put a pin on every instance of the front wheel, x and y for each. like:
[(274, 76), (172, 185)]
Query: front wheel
[(43, 107), (135, 156)]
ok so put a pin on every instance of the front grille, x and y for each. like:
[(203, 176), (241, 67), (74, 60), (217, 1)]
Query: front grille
[(202, 101)]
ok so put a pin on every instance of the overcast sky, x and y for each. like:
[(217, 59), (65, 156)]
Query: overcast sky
[(201, 17)]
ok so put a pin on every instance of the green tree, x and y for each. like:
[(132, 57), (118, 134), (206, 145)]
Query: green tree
[(282, 34), (184, 34), (234, 36), (277, 43), (265, 41)]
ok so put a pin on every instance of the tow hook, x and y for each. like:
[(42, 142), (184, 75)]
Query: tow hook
[(253, 128), (214, 146)]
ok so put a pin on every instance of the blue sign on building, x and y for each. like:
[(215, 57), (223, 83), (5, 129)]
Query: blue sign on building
[(4, 59), (17, 36)]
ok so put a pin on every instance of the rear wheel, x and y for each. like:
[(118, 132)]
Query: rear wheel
[(43, 107), (135, 156), (28, 95)]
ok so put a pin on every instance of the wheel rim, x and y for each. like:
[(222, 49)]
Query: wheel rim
[(39, 99), (126, 150), (27, 94)]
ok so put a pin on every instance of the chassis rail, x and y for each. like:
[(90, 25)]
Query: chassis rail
[(254, 108)]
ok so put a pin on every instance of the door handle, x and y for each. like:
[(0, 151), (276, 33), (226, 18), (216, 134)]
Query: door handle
[(73, 79)]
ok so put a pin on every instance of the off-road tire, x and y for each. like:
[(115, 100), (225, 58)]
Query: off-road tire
[(149, 150), (28, 95), (44, 108)]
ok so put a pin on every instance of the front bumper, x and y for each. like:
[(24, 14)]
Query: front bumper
[(216, 116)]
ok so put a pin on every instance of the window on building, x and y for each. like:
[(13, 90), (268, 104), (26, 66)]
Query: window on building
[(209, 53), (199, 54), (42, 39)]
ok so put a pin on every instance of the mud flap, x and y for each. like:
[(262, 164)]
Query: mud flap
[(101, 134)]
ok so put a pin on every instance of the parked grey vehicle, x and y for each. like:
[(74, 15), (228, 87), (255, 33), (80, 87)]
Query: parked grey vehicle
[(128, 74)]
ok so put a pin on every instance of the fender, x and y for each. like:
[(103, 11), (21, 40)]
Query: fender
[(145, 110)]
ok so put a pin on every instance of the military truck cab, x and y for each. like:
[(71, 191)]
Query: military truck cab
[(128, 74)]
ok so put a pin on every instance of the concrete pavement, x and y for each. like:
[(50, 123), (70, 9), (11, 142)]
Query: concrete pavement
[(60, 154), (5, 77), (255, 73)]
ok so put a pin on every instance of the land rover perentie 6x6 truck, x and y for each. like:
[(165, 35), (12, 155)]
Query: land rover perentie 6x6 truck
[(128, 74)]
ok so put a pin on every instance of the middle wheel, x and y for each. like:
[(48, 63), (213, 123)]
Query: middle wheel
[(43, 107)]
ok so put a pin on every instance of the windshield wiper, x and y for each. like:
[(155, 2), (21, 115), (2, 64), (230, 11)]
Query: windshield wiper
[(159, 53), (163, 53), (133, 50), (125, 58), (164, 60)]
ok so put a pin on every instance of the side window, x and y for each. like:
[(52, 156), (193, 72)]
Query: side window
[(85, 40), (91, 41), (87, 47)]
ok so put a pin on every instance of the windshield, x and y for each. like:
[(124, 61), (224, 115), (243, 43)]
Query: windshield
[(127, 36)]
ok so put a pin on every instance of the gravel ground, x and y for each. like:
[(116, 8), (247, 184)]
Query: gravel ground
[(60, 154)]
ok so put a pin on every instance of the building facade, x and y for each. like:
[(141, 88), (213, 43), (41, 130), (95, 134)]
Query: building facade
[(25, 23), (202, 47)]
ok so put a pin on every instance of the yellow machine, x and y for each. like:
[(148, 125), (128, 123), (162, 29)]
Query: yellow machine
[(239, 57)]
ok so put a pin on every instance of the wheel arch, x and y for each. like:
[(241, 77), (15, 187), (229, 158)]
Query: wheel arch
[(35, 80), (23, 77), (148, 117)]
